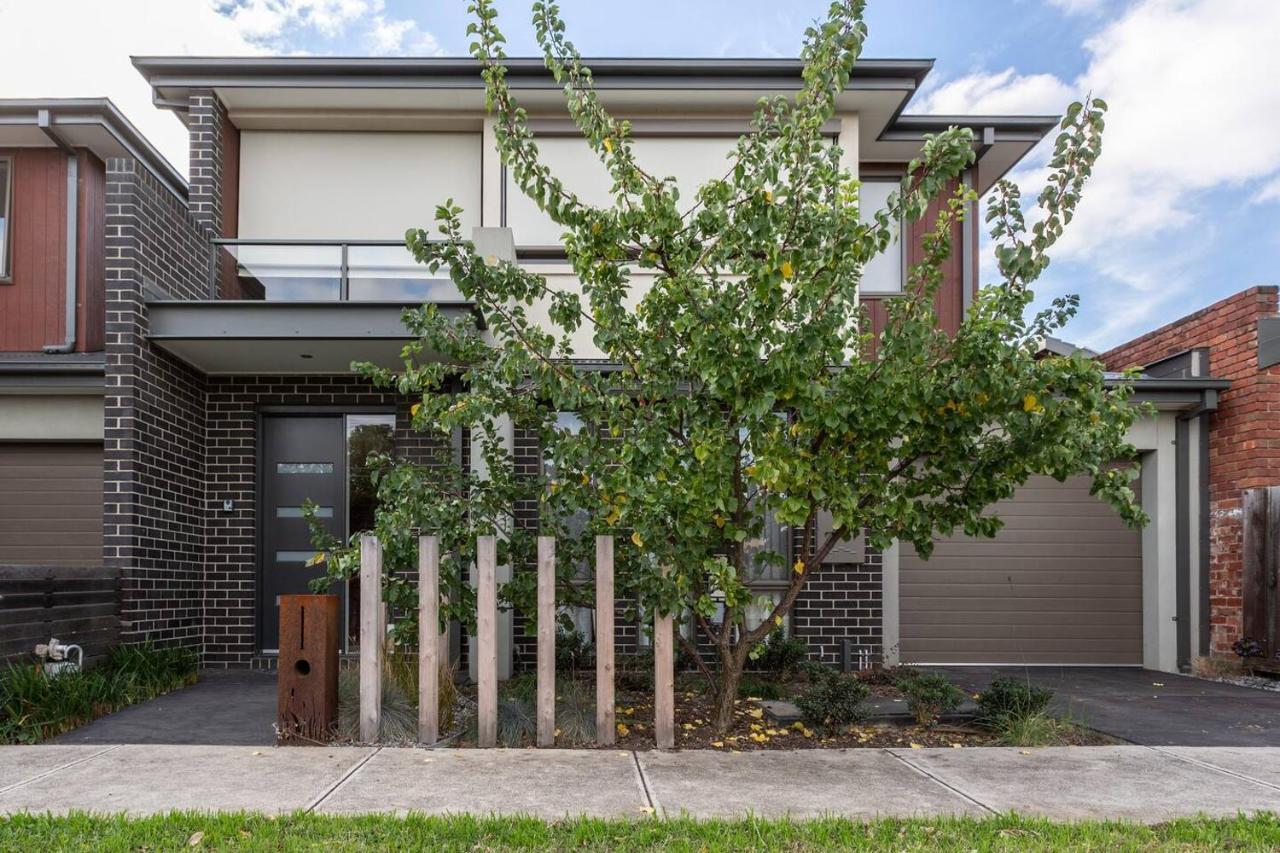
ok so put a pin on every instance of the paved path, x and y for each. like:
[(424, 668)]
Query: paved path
[(1131, 782), (227, 707), (1148, 707)]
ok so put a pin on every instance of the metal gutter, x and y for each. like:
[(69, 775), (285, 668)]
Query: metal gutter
[(72, 209), (226, 70)]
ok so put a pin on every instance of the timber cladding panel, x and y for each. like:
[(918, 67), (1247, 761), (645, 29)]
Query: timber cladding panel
[(1244, 433), (1060, 584)]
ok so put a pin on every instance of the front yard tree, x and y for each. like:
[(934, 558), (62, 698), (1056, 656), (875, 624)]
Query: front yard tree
[(742, 382)]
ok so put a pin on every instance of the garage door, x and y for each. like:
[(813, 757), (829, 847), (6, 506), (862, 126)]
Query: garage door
[(1061, 583), (51, 504)]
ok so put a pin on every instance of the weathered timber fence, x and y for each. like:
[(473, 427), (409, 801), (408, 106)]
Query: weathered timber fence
[(76, 605), (431, 655), (1260, 583)]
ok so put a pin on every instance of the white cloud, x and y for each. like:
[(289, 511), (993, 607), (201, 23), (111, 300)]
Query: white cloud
[(393, 37), (1269, 192), (1194, 108), (1079, 7), (95, 39), (268, 19), (996, 93)]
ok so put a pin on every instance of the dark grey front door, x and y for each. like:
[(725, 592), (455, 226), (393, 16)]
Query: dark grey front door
[(304, 458)]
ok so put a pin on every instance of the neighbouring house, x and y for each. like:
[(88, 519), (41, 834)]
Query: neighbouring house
[(233, 316), (1237, 339), (58, 161)]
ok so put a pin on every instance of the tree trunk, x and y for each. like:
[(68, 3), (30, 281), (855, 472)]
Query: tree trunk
[(726, 692)]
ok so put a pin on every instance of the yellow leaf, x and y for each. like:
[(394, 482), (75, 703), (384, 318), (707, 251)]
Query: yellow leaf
[(798, 568), (718, 744), (755, 712), (768, 196), (719, 520), (786, 269), (623, 731), (316, 559), (614, 516), (608, 144), (777, 620), (916, 746), (413, 410), (1030, 403), (636, 540)]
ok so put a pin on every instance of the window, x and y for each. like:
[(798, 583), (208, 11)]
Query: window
[(883, 273), (6, 178)]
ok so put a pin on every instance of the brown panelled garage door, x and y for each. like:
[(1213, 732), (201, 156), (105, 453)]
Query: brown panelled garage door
[(1061, 583), (51, 504)]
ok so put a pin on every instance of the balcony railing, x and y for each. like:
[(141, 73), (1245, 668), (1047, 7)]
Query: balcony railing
[(323, 271)]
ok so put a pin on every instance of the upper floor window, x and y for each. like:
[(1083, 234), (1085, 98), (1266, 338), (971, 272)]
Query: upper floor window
[(884, 272), (6, 172)]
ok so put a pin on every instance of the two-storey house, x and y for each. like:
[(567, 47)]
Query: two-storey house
[(231, 326)]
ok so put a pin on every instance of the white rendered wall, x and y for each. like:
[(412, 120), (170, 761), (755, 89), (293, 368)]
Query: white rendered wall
[(357, 185)]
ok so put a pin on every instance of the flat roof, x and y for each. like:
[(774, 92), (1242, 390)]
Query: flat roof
[(92, 123), (296, 92)]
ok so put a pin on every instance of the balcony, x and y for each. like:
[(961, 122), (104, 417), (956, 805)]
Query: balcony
[(324, 271), (306, 306)]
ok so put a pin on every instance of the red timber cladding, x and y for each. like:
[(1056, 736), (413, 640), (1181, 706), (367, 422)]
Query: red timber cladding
[(1244, 434), (949, 301), (91, 250), (33, 300)]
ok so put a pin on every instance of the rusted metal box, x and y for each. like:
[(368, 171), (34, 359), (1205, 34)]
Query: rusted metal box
[(307, 679)]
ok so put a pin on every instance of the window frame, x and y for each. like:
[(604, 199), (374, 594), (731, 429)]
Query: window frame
[(903, 247), (6, 208)]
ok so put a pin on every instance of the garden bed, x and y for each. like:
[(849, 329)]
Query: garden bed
[(882, 724)]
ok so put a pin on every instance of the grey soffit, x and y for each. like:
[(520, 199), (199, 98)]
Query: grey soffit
[(252, 337), (1268, 342), (523, 72), (92, 123), (258, 320)]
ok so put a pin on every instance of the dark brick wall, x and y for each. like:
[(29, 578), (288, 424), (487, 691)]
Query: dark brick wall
[(154, 414), (231, 567), (205, 119)]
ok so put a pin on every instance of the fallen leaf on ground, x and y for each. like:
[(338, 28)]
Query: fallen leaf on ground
[(196, 838)]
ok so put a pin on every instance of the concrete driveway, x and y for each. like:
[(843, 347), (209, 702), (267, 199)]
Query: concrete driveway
[(1147, 707)]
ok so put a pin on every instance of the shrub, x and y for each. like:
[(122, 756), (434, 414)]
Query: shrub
[(573, 650), (1247, 647), (398, 723), (35, 706), (1011, 699), (888, 676), (834, 700), (1040, 729), (930, 695), (755, 688), (780, 655)]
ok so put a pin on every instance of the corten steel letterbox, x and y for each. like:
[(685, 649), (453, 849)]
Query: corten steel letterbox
[(307, 681)]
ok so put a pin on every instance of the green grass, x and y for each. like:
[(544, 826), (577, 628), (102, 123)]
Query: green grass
[(313, 832)]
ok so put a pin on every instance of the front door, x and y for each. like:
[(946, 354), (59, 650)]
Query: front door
[(303, 459)]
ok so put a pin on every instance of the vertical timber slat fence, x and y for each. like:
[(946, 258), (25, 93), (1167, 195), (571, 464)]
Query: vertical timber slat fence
[(428, 645), (606, 731), (372, 637), (432, 655)]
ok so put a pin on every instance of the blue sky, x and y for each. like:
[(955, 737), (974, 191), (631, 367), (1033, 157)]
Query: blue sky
[(1184, 208)]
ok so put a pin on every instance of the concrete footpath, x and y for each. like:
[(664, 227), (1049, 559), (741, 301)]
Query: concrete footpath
[(1131, 782)]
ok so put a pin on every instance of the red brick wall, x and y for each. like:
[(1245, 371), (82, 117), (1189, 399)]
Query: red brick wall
[(1244, 434)]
